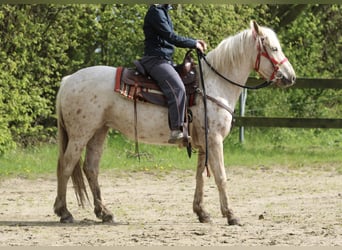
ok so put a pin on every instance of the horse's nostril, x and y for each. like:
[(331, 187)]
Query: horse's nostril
[(290, 80)]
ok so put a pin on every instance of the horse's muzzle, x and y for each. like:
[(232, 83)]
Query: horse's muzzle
[(289, 81), (285, 75), (284, 81)]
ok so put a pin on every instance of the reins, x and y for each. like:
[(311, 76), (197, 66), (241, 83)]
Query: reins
[(200, 56), (203, 56), (204, 95)]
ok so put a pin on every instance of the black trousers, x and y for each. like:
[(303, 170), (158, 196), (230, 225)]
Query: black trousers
[(162, 71)]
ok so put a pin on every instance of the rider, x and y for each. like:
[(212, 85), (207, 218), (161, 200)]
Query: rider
[(160, 41)]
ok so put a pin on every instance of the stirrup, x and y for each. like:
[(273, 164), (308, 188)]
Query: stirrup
[(176, 137)]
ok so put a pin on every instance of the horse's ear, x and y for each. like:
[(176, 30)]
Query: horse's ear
[(256, 28)]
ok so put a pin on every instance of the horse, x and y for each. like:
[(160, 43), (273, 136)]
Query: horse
[(87, 107)]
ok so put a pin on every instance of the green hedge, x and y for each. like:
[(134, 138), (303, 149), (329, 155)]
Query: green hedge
[(42, 43)]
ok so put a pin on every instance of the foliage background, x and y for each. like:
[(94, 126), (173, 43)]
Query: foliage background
[(42, 43)]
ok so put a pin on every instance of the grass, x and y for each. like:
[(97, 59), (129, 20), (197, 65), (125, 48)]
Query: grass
[(29, 162), (292, 148), (287, 147)]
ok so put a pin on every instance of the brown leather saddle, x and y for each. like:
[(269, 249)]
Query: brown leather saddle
[(135, 84)]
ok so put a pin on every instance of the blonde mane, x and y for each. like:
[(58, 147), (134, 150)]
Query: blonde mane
[(231, 51)]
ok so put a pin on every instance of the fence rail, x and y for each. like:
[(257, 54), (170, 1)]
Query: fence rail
[(288, 122), (303, 83)]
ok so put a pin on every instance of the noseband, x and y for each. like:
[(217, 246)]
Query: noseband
[(262, 51)]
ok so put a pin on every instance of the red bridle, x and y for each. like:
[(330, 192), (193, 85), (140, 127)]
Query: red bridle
[(262, 51)]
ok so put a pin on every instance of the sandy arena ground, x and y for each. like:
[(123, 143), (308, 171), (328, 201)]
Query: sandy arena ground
[(278, 206)]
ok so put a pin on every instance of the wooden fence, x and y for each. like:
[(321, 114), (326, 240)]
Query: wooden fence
[(243, 121)]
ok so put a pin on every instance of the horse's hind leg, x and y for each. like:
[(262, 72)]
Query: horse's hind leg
[(91, 169), (198, 206), (66, 165)]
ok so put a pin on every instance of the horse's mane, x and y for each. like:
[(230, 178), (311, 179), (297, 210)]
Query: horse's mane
[(231, 50)]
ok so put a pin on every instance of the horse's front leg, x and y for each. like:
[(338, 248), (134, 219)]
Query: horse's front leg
[(198, 206), (216, 163), (91, 170)]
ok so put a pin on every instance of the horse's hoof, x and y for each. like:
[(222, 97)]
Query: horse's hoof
[(108, 218), (67, 219), (205, 219), (234, 222)]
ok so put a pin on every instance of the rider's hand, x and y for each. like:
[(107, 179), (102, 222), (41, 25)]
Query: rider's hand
[(201, 45)]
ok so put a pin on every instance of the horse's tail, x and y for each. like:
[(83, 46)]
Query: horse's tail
[(63, 139)]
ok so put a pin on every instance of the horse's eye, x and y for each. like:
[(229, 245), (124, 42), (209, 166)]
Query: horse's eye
[(274, 49)]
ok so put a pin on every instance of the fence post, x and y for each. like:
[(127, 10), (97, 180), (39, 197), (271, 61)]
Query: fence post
[(243, 98)]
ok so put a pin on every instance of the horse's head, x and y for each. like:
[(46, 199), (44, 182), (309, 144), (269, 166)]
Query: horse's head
[(270, 61)]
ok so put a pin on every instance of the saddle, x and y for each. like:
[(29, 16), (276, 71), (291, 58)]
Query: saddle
[(136, 84)]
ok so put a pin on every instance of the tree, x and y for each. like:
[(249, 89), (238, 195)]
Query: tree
[(41, 43)]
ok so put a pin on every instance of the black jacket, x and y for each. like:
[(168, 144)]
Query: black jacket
[(160, 38)]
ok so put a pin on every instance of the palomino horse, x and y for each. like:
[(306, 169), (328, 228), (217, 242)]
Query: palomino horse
[(87, 107)]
